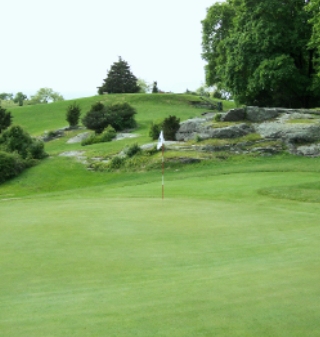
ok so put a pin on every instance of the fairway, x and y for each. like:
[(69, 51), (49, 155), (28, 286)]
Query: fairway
[(215, 258)]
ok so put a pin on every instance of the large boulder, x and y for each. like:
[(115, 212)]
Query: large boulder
[(258, 115), (234, 115), (291, 133), (190, 128), (233, 131)]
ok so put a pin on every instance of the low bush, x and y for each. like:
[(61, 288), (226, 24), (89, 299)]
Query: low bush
[(11, 165), (105, 136), (116, 162), (73, 114), (170, 126), (132, 150), (217, 117), (155, 129), (121, 116)]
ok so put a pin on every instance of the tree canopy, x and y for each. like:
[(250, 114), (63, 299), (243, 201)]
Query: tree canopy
[(261, 51), (19, 98), (46, 95), (119, 79)]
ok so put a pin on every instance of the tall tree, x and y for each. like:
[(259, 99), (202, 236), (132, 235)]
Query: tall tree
[(19, 98), (119, 79), (259, 52)]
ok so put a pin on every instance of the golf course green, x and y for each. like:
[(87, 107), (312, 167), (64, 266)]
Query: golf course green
[(231, 250)]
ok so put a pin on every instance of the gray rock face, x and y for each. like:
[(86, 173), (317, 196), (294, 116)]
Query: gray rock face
[(79, 138), (189, 130), (234, 131), (312, 150), (292, 133), (257, 115)]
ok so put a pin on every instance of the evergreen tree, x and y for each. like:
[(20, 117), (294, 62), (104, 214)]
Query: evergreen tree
[(119, 79), (73, 114), (155, 89)]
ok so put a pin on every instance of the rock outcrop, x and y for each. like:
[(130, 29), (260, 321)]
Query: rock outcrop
[(274, 124)]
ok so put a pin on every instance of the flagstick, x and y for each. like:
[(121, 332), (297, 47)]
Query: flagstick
[(162, 171)]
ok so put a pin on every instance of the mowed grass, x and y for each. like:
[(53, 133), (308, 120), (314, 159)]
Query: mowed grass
[(232, 250), (214, 258)]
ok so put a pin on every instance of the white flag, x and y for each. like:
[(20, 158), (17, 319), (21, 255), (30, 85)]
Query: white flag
[(160, 141)]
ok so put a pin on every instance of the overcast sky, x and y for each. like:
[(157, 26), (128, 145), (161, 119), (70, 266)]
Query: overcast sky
[(68, 45)]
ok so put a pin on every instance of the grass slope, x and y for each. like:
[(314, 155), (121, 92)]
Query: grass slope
[(226, 253)]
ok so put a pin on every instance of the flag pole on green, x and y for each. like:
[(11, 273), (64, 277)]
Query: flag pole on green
[(160, 145)]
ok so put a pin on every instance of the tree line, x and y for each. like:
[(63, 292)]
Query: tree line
[(264, 53), (43, 95)]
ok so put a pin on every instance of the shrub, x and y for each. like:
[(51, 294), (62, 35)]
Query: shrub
[(132, 150), (108, 134), (73, 114), (90, 140), (96, 119), (36, 149), (116, 162), (170, 126), (121, 116), (217, 117), (15, 139), (155, 129), (105, 136), (10, 166), (5, 119)]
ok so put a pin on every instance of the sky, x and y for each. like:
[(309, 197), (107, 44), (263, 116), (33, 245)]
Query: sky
[(69, 45)]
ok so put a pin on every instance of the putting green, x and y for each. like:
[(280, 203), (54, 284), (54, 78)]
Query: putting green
[(214, 258)]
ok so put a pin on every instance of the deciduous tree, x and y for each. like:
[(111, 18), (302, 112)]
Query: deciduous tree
[(259, 51), (46, 95), (19, 98)]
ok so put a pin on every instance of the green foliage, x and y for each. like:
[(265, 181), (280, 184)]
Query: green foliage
[(96, 119), (217, 117), (132, 150), (155, 129), (5, 119), (261, 53), (144, 87), (19, 98), (119, 79), (106, 136), (155, 89), (116, 163), (170, 126), (121, 116), (73, 114), (36, 149), (10, 166), (15, 139), (45, 95), (6, 96)]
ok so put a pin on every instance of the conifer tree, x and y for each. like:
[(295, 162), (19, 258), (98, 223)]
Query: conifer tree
[(119, 79)]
